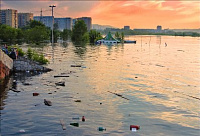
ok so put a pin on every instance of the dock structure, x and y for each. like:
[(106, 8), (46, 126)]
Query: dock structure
[(6, 65)]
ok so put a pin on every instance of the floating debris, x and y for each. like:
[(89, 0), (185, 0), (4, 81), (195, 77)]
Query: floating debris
[(134, 127), (48, 103), (26, 84), (76, 117), (75, 65), (181, 50), (119, 95), (77, 101), (60, 83), (36, 94), (63, 124), (14, 90), (22, 131), (159, 65), (101, 129), (83, 119), (61, 76), (75, 124)]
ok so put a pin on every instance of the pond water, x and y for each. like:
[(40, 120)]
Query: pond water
[(147, 84)]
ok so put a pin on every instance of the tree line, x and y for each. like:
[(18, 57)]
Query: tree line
[(36, 32)]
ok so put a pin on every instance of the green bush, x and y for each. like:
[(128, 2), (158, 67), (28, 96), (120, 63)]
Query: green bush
[(31, 54)]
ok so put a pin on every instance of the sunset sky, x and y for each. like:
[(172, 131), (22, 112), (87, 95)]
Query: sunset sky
[(177, 14)]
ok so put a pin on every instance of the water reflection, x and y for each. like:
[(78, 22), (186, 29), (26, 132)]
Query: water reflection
[(157, 86), (80, 50)]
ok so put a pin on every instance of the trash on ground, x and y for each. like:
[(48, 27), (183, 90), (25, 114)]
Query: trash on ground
[(48, 103), (134, 127), (75, 124), (102, 129), (60, 83), (75, 65), (63, 124), (77, 100), (36, 94), (83, 119)]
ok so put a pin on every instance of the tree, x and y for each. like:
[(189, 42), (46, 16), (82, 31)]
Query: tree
[(38, 34), (34, 23), (20, 36), (65, 34), (94, 36), (79, 32), (8, 34)]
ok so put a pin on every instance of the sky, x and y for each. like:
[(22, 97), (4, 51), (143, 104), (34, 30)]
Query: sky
[(172, 14)]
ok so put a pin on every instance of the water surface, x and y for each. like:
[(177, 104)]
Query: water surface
[(159, 85)]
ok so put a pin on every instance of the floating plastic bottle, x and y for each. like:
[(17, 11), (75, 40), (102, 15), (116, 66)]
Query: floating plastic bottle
[(35, 94), (134, 127), (75, 124), (101, 129), (83, 119)]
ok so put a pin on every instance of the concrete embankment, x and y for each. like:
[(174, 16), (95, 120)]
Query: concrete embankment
[(22, 64), (6, 65)]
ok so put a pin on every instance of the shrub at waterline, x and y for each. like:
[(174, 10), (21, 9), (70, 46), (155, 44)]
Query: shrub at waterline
[(19, 50), (32, 55)]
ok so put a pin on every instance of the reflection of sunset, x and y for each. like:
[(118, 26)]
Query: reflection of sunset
[(181, 119)]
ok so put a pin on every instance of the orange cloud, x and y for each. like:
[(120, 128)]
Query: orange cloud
[(147, 14)]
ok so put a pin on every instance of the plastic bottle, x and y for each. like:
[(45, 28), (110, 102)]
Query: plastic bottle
[(134, 126), (83, 119), (101, 129), (75, 124)]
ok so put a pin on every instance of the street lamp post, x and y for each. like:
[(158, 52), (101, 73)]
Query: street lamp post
[(52, 22)]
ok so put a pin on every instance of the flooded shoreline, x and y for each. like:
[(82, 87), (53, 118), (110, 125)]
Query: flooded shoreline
[(160, 85)]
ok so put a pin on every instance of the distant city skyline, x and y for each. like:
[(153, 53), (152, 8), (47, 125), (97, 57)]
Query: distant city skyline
[(136, 14)]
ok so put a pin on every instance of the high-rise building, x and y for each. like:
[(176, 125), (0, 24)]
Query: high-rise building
[(9, 17), (46, 20), (74, 21), (126, 27), (63, 23), (88, 22), (24, 18), (159, 28)]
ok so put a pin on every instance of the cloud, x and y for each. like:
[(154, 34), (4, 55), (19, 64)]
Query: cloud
[(137, 14)]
